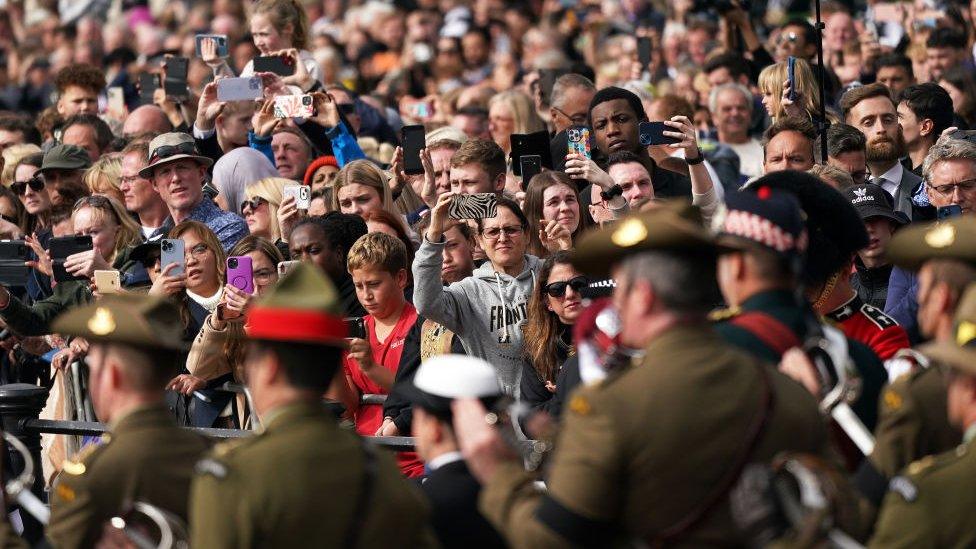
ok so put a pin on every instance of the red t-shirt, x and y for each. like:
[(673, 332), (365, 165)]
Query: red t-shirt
[(387, 355)]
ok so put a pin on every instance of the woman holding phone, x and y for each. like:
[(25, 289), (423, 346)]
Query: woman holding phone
[(552, 205)]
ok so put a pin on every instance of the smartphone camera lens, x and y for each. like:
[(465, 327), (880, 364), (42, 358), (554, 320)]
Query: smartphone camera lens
[(167, 246), (306, 100), (232, 263)]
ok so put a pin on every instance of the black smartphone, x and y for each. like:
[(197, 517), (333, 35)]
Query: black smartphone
[(412, 140), (525, 144), (652, 133), (547, 79), (282, 66), (174, 84), (148, 84), (644, 52), (946, 212), (791, 77), (62, 247), (13, 255), (531, 167), (357, 327)]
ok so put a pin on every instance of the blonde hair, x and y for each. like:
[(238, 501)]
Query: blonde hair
[(363, 172), (284, 12), (105, 175), (270, 189), (833, 176), (522, 108), (378, 251), (12, 156), (771, 82), (105, 207)]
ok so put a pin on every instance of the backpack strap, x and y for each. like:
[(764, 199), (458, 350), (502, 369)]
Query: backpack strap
[(768, 329)]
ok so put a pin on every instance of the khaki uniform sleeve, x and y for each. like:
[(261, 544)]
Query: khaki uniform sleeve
[(898, 429), (583, 482), (74, 512), (904, 524), (219, 515)]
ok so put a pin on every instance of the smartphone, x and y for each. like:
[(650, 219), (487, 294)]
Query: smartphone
[(531, 167), (473, 206), (293, 106), (302, 194), (644, 52), (240, 273), (282, 66), (13, 255), (148, 84), (524, 144), (946, 212), (221, 40), (578, 141), (108, 282), (62, 247), (285, 266), (174, 84), (791, 76), (412, 140), (357, 327), (652, 133), (240, 89), (172, 251), (886, 12), (116, 100)]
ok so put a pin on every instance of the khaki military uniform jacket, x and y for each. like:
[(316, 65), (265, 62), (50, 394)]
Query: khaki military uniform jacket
[(639, 451), (146, 458), (933, 504), (300, 483)]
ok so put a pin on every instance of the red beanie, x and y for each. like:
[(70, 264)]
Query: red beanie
[(318, 163)]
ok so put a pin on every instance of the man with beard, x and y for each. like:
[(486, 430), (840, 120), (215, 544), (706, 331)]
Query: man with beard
[(871, 110)]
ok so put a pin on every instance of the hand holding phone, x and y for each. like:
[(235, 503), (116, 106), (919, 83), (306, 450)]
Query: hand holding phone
[(356, 326), (212, 45), (293, 106), (412, 140), (791, 77), (240, 273), (277, 64), (108, 282), (652, 133), (172, 252), (301, 193)]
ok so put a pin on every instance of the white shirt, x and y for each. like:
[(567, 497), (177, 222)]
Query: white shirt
[(892, 179), (443, 459), (750, 157)]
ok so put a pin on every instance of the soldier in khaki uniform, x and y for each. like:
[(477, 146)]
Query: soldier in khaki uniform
[(932, 503), (135, 345), (912, 418), (303, 481), (650, 453)]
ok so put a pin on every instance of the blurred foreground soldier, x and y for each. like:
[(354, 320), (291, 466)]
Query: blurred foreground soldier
[(450, 487), (913, 421), (931, 504), (302, 481), (135, 345), (650, 453)]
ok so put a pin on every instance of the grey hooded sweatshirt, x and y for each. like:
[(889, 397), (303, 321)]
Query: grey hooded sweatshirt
[(486, 310)]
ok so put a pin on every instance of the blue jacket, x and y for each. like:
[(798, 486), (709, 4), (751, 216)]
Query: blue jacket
[(902, 302)]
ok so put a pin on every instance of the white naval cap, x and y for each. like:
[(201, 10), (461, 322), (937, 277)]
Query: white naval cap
[(457, 376)]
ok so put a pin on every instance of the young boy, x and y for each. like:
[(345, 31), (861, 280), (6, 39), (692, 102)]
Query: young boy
[(377, 263)]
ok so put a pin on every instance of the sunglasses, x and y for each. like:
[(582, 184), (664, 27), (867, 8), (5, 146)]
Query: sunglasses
[(36, 184), (253, 204), (347, 108), (167, 151), (558, 289)]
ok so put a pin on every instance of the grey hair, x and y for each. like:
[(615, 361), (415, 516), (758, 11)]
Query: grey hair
[(567, 82), (947, 148), (832, 174), (683, 281), (713, 95)]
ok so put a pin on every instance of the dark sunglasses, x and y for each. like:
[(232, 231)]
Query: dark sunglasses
[(20, 187), (558, 289), (347, 108), (167, 151), (253, 204)]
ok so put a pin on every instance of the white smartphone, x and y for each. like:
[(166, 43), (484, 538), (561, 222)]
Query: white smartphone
[(302, 194), (239, 89), (116, 100), (171, 251)]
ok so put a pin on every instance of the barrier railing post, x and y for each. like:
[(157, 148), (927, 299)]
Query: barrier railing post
[(19, 402)]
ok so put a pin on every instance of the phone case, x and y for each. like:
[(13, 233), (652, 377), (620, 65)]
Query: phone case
[(293, 106), (473, 206), (239, 89), (524, 144), (13, 271), (302, 194), (412, 138), (108, 282), (172, 251), (282, 66), (578, 141), (62, 247), (148, 82), (175, 80), (531, 166), (240, 273), (652, 133), (221, 44), (791, 77), (357, 327)]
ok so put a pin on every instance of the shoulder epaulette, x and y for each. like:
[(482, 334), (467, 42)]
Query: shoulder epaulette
[(878, 317)]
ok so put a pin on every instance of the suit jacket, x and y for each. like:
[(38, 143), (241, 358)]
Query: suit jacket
[(903, 195), (453, 494)]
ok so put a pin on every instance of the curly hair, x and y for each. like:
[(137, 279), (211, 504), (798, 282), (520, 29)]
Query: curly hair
[(83, 76), (340, 230)]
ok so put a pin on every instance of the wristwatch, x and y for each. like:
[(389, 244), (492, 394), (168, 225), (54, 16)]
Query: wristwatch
[(699, 160)]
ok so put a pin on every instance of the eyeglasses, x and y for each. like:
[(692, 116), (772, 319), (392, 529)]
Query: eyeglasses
[(948, 190), (167, 151), (264, 275), (346, 108), (577, 120), (254, 203), (36, 184), (199, 251), (493, 233), (129, 179), (558, 289)]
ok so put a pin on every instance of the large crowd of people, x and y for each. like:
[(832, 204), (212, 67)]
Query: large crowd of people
[(622, 273)]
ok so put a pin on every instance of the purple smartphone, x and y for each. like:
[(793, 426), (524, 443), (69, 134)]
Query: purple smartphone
[(240, 273)]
